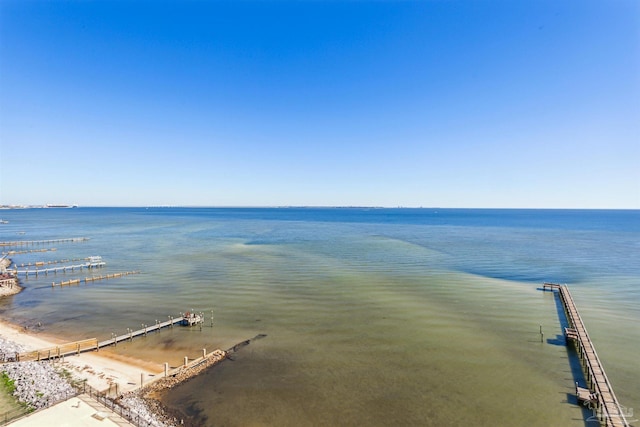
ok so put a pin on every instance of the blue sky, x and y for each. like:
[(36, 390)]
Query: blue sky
[(432, 103)]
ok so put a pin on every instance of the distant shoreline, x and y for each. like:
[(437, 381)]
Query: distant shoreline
[(372, 207), (37, 206)]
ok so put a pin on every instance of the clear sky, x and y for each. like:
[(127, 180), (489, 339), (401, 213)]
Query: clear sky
[(433, 103)]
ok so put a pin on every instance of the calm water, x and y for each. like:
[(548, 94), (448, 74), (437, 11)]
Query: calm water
[(372, 316)]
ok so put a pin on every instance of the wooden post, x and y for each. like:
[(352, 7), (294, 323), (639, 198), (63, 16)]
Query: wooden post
[(186, 360), (541, 334), (141, 378), (204, 353), (166, 369)]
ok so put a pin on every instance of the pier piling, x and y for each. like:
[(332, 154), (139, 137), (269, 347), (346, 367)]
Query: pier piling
[(601, 391)]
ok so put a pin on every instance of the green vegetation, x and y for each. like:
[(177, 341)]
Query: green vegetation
[(68, 377), (8, 384)]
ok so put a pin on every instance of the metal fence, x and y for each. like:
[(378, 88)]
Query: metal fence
[(14, 414), (100, 396), (125, 412)]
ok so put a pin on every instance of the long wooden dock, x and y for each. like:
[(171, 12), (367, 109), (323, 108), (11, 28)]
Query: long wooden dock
[(93, 279), (92, 344), (610, 412), (64, 269), (43, 242), (66, 349), (30, 251), (130, 335), (60, 261)]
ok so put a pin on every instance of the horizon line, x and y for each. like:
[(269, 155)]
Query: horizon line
[(164, 206)]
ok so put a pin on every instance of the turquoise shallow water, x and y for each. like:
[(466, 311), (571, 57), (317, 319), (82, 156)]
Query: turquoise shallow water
[(371, 316)]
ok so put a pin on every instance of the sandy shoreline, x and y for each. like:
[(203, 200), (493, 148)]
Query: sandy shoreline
[(136, 384), (119, 376), (14, 286), (100, 369)]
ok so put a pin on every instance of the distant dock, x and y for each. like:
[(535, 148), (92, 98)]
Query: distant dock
[(600, 392), (43, 242), (93, 279), (64, 269), (29, 251)]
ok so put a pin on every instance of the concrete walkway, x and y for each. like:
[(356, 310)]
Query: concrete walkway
[(80, 411)]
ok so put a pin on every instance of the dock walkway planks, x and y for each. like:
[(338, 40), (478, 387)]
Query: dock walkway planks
[(610, 411), (55, 270), (144, 331), (92, 344)]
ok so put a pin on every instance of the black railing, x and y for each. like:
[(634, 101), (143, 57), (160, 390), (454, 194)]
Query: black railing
[(124, 411), (14, 414)]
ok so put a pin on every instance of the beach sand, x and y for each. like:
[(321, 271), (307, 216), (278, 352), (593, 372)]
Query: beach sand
[(12, 289), (103, 371), (99, 369), (6, 291)]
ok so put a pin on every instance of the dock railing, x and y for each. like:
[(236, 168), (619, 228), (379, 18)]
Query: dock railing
[(610, 412)]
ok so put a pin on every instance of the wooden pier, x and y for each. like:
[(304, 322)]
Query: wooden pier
[(60, 261), (30, 251), (43, 242), (600, 391), (92, 344), (64, 269), (93, 279), (130, 335), (66, 349)]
